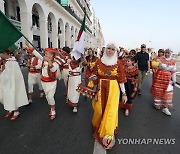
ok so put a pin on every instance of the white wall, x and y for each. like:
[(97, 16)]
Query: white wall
[(44, 8)]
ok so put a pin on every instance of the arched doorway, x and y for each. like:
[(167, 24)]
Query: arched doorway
[(60, 33), (12, 10), (37, 30), (52, 31)]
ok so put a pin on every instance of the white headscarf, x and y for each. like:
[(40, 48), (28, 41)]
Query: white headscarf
[(170, 57), (110, 61)]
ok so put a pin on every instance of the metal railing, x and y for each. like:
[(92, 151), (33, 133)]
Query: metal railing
[(83, 8), (89, 29), (75, 16), (87, 5), (68, 9)]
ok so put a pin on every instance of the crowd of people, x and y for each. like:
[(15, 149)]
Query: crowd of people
[(113, 78)]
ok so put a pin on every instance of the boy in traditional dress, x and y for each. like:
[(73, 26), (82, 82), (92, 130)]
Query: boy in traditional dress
[(34, 77), (49, 69)]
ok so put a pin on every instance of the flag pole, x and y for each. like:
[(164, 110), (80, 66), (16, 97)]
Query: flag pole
[(16, 29)]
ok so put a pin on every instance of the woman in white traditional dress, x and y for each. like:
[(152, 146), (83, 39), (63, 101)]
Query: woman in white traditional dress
[(12, 86), (74, 79)]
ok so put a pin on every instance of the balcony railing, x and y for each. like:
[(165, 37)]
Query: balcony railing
[(87, 5), (68, 9), (83, 8), (16, 23), (89, 29), (80, 5)]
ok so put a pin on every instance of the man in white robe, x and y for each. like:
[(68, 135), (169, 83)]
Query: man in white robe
[(12, 86)]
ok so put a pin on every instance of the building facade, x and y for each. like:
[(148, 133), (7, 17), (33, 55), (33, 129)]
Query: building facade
[(98, 37), (50, 23)]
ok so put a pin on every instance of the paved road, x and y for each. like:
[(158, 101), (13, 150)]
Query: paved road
[(34, 133)]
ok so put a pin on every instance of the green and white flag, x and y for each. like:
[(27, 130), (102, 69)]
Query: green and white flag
[(79, 44), (9, 34)]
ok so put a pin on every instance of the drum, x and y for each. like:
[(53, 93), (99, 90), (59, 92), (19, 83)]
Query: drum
[(85, 91)]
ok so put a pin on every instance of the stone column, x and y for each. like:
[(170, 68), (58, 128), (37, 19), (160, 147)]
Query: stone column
[(68, 39), (72, 41), (54, 36), (62, 38), (43, 33), (67, 36), (26, 25)]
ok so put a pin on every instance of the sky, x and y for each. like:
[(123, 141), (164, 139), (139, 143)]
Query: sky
[(130, 23)]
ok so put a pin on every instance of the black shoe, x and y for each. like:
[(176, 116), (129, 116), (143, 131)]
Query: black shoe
[(139, 93)]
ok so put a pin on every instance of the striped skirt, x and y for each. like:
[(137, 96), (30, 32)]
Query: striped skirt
[(166, 101), (162, 97)]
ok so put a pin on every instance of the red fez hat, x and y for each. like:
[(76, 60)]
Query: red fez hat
[(28, 49), (51, 50)]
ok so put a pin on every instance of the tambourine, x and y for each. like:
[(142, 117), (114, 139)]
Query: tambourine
[(86, 91), (154, 64)]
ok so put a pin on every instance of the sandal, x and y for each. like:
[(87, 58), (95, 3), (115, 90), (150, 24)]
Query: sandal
[(8, 114), (75, 110), (52, 117), (50, 114), (108, 142), (14, 117), (126, 112)]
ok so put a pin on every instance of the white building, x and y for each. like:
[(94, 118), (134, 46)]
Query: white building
[(98, 38), (49, 24)]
